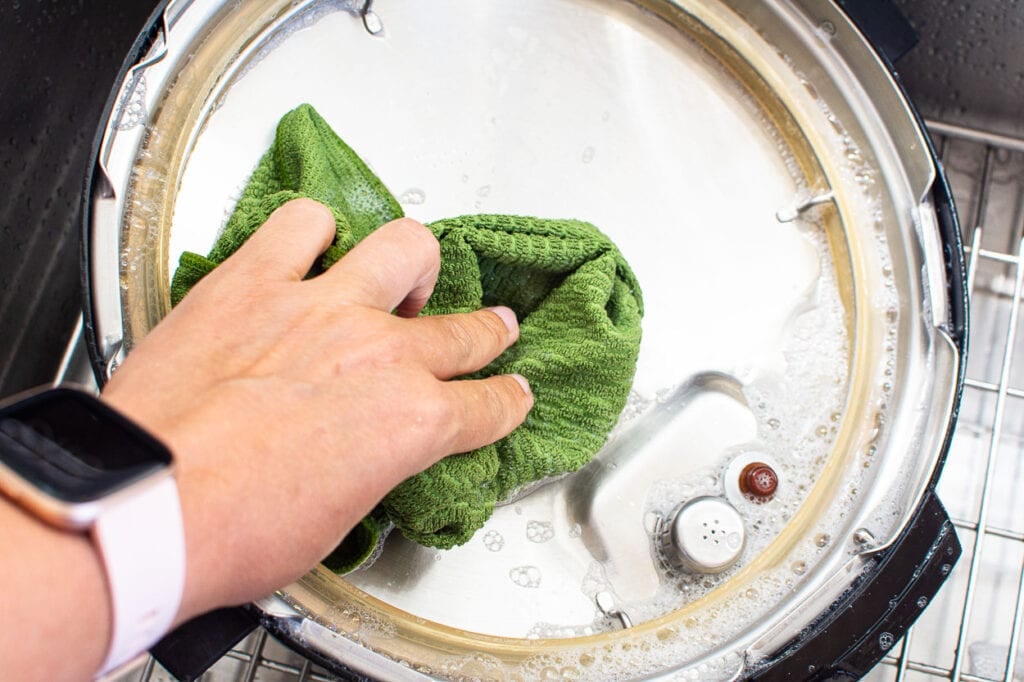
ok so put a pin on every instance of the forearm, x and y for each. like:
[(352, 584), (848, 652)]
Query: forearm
[(55, 596), (56, 599)]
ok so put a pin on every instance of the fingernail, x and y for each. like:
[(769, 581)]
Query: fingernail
[(507, 316), (524, 383)]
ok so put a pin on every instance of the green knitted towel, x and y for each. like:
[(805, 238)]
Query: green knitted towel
[(577, 300)]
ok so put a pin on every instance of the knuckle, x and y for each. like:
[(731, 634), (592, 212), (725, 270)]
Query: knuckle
[(499, 403), (495, 406), (439, 415), (391, 348), (462, 341), (497, 332)]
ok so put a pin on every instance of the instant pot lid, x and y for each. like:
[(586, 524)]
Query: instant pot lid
[(761, 173)]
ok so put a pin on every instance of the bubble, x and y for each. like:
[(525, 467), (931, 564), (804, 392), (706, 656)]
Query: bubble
[(539, 531), (414, 196), (493, 541), (525, 576)]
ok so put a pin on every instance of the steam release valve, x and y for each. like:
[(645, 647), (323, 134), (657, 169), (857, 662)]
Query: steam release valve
[(704, 535)]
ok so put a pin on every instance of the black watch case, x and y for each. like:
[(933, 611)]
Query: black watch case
[(65, 456)]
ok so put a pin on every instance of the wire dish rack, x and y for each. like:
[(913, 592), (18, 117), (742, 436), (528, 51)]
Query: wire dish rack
[(975, 621)]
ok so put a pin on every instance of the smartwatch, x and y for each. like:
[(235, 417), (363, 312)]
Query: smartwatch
[(77, 464)]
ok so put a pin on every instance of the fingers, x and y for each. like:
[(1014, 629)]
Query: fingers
[(487, 410), (288, 243), (394, 268), (453, 345)]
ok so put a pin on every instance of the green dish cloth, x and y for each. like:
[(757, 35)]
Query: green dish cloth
[(578, 303)]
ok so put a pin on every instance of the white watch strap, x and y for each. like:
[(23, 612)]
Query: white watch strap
[(142, 543)]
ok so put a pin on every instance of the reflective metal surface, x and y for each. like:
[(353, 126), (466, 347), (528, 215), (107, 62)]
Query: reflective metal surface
[(704, 535), (766, 183)]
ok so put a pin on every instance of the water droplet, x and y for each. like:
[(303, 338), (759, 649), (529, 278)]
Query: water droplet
[(774, 423), (822, 540), (412, 196), (922, 602), (483, 191), (798, 567), (588, 155), (576, 531), (373, 24)]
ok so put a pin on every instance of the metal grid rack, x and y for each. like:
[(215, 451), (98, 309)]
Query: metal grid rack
[(976, 620), (973, 629)]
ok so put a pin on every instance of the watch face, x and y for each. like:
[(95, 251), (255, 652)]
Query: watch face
[(75, 448)]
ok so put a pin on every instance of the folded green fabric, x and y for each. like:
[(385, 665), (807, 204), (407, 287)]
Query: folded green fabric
[(578, 303)]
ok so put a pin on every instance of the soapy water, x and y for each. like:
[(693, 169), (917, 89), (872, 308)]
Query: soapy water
[(525, 576), (131, 106), (493, 541), (799, 415), (539, 531)]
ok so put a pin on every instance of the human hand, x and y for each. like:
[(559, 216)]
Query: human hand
[(293, 406)]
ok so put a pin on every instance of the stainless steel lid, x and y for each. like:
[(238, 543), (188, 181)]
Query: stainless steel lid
[(763, 176)]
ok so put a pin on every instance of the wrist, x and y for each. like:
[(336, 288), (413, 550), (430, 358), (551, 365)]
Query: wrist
[(87, 471)]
